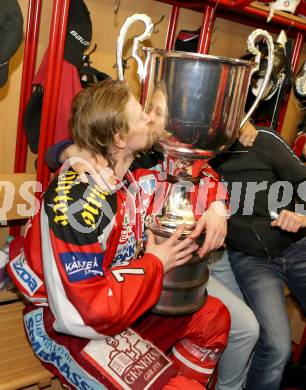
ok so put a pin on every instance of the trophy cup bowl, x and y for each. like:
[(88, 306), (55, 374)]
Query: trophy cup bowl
[(203, 98)]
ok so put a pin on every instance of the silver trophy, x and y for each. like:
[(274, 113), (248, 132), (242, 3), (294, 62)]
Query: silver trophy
[(200, 99)]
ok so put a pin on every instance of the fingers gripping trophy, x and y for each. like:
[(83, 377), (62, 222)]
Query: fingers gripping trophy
[(198, 104)]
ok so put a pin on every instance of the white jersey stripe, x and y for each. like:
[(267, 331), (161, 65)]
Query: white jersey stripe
[(189, 364), (67, 319)]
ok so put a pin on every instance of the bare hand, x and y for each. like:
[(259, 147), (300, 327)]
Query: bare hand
[(84, 162), (289, 221), (214, 222), (172, 252), (248, 134)]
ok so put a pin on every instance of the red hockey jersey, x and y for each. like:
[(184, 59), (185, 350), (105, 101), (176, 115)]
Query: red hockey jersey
[(79, 250)]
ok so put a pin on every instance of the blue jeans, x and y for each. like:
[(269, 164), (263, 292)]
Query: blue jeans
[(244, 331), (262, 283)]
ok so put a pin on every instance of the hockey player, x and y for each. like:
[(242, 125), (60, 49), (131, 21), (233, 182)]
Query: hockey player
[(91, 279)]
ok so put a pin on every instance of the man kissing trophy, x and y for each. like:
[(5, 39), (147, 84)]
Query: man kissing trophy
[(203, 98)]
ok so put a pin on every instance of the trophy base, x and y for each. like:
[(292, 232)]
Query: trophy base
[(179, 310), (184, 287)]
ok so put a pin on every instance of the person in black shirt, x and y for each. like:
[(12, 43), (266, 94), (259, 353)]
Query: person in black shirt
[(266, 243)]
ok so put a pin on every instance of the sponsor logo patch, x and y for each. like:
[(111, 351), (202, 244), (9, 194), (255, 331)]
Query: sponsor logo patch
[(50, 352), (25, 276), (148, 184), (81, 266), (129, 361), (125, 251)]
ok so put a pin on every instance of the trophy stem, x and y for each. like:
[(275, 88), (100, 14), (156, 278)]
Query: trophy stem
[(179, 201), (184, 288)]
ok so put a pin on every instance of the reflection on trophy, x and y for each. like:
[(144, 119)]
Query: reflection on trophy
[(197, 102)]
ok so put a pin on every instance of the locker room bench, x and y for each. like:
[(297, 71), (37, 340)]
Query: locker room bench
[(19, 367)]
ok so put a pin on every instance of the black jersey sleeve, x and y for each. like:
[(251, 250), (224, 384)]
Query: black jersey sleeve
[(286, 165)]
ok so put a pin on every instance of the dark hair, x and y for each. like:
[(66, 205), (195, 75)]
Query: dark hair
[(98, 113)]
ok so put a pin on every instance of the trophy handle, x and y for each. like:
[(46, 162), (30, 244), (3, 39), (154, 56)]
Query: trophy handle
[(120, 42), (253, 49)]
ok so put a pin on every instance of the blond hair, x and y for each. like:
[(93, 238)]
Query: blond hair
[(98, 113)]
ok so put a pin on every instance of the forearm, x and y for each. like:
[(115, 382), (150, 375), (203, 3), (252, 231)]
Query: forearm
[(209, 192), (53, 154)]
